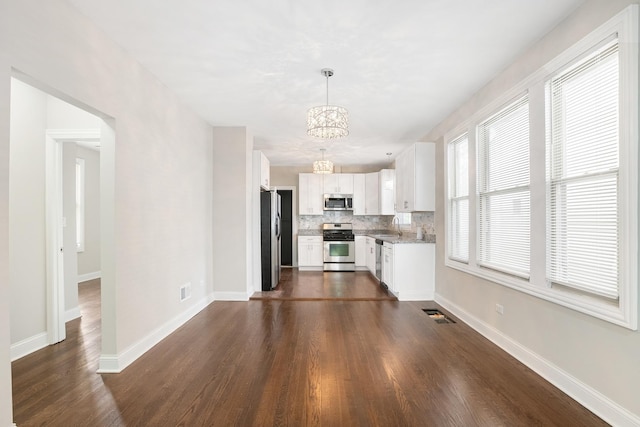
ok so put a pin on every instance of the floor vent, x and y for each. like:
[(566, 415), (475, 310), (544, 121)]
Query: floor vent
[(437, 315)]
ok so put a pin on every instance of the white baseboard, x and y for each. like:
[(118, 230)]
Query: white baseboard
[(415, 296), (72, 314), (590, 398), (89, 276), (231, 296), (29, 345), (116, 363)]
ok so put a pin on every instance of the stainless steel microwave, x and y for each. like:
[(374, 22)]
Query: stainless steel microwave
[(338, 202)]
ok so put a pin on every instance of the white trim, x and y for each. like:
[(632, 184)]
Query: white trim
[(116, 363), (109, 364), (587, 396), (91, 135), (72, 314), (231, 296), (29, 345), (314, 268), (55, 308), (89, 276)]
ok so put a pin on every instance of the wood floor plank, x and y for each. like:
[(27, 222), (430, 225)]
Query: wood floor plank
[(288, 362)]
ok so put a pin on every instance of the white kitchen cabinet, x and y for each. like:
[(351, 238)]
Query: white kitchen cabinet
[(370, 256), (387, 192), (387, 266), (338, 183), (261, 169), (361, 251), (415, 178), (310, 200), (410, 270), (359, 194), (310, 252), (372, 197)]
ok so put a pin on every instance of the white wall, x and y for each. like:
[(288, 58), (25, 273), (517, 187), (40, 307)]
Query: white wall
[(599, 355), (233, 199), (161, 157), (27, 212), (89, 259)]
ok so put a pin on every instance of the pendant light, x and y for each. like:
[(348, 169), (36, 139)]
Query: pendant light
[(323, 166), (327, 121)]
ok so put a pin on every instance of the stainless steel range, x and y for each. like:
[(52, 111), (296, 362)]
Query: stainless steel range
[(339, 247)]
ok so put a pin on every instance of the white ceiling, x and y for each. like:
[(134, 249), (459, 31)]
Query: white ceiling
[(400, 66)]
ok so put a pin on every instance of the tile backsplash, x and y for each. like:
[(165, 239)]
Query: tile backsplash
[(365, 222), (424, 219)]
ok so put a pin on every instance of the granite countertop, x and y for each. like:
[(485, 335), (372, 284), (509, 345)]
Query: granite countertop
[(390, 236), (316, 232), (406, 237)]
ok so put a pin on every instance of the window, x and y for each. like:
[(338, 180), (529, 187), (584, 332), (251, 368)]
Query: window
[(402, 220), (553, 180), (458, 196), (583, 174), (503, 190), (79, 205)]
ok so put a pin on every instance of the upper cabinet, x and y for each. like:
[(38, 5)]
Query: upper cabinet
[(387, 192), (338, 183), (359, 194), (261, 169), (372, 195), (310, 200), (415, 178)]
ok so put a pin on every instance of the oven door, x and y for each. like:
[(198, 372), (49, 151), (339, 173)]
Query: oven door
[(340, 251)]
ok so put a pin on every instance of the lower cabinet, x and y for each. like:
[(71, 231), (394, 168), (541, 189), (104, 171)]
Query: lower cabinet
[(310, 252), (408, 269), (387, 266), (361, 252), (370, 254)]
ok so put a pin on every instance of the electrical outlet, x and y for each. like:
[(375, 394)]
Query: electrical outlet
[(499, 309), (185, 291)]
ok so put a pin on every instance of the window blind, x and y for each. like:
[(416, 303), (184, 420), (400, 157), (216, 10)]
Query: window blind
[(582, 168), (503, 192), (458, 221)]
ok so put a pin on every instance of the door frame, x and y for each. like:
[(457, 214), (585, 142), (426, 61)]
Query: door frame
[(55, 300)]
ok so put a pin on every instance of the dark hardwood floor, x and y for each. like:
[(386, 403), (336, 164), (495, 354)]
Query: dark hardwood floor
[(293, 363), (314, 285)]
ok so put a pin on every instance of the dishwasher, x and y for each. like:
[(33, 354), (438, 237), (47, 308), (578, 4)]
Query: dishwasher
[(379, 244)]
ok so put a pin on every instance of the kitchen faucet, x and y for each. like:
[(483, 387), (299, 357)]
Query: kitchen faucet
[(395, 218)]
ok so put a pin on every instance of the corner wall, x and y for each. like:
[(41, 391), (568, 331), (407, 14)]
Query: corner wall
[(233, 199)]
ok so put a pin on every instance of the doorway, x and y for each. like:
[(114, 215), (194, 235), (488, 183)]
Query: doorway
[(286, 254), (46, 135)]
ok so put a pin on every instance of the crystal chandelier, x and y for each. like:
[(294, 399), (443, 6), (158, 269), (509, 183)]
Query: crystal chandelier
[(323, 166), (327, 121)]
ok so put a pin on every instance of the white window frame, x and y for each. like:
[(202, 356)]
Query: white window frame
[(80, 204), (625, 312), (487, 194), (456, 197)]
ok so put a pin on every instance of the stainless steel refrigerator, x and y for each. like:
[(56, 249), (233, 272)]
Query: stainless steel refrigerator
[(270, 238)]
